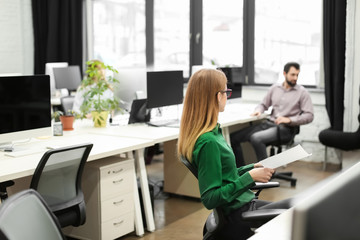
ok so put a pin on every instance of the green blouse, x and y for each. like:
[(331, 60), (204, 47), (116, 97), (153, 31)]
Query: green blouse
[(221, 184)]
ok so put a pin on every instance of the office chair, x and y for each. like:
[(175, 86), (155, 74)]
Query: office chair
[(25, 215), (216, 220), (279, 143), (3, 189), (67, 103), (58, 179), (345, 141)]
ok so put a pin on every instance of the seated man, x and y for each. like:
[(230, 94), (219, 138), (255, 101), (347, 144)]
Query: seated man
[(292, 107)]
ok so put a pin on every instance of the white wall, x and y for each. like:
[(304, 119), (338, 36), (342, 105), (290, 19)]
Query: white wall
[(16, 38), (352, 69), (352, 77)]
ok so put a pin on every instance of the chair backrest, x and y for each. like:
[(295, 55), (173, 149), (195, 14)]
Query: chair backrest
[(58, 179), (216, 220), (25, 215), (67, 103), (192, 169)]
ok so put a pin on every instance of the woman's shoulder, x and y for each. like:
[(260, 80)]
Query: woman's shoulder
[(206, 138)]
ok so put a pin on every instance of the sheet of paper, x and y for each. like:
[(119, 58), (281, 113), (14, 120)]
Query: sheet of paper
[(283, 158)]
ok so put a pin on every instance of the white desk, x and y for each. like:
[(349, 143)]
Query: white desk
[(104, 146)]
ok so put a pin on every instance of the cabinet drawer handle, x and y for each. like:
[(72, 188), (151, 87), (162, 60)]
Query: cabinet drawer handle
[(118, 181), (118, 171), (118, 223), (118, 202)]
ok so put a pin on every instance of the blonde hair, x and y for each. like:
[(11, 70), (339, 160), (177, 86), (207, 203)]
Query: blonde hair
[(201, 108)]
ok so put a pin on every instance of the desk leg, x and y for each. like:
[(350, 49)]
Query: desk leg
[(226, 135), (139, 227), (141, 171)]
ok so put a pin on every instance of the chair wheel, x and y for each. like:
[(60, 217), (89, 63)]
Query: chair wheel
[(293, 183)]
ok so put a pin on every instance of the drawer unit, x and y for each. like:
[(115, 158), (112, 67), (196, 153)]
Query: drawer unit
[(110, 208), (108, 186), (118, 226)]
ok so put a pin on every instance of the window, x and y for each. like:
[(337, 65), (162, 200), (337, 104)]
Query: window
[(223, 32), (283, 33), (259, 36), (171, 35), (119, 32)]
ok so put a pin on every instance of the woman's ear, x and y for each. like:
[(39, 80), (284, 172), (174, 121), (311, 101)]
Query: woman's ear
[(219, 96)]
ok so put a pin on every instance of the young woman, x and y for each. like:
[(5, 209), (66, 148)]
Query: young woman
[(201, 141)]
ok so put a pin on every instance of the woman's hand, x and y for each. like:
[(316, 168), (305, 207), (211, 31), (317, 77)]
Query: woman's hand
[(261, 174), (258, 165)]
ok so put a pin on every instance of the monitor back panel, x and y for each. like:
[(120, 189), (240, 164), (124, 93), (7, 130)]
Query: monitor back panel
[(67, 77)]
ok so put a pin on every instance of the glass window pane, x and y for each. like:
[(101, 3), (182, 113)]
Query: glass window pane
[(287, 30), (223, 32), (119, 32), (171, 35)]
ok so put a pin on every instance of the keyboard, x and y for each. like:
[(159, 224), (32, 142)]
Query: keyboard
[(164, 123), (26, 152)]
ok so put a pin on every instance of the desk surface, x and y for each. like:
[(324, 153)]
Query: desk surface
[(139, 130), (277, 228), (104, 146)]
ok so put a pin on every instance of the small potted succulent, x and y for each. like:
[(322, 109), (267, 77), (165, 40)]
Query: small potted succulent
[(66, 119)]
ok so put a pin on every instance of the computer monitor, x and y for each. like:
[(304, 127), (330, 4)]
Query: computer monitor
[(236, 78), (25, 108), (132, 85), (67, 77), (49, 70), (164, 88), (332, 211)]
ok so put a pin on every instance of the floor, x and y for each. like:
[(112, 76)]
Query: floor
[(179, 217)]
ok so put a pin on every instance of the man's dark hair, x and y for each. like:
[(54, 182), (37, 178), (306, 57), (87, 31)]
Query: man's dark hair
[(291, 64)]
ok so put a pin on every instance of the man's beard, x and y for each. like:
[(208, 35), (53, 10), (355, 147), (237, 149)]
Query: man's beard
[(290, 83)]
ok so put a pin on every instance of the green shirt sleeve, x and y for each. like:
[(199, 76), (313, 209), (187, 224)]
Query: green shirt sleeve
[(244, 169)]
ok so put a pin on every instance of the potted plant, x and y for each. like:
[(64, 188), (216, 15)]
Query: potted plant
[(66, 119), (98, 96)]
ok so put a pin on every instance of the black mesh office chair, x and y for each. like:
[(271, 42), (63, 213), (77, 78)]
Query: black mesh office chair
[(67, 103), (58, 179), (3, 189), (279, 143), (216, 220), (25, 215)]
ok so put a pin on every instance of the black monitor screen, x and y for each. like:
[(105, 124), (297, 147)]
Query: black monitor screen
[(236, 79), (24, 103), (164, 88), (67, 77)]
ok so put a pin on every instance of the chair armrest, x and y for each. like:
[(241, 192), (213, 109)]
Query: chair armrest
[(260, 185), (261, 214)]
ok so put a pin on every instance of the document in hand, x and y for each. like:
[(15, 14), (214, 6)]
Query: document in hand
[(288, 156)]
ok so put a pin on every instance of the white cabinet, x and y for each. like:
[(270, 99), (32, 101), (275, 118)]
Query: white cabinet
[(108, 186)]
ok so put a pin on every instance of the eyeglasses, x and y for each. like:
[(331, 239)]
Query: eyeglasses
[(227, 91)]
